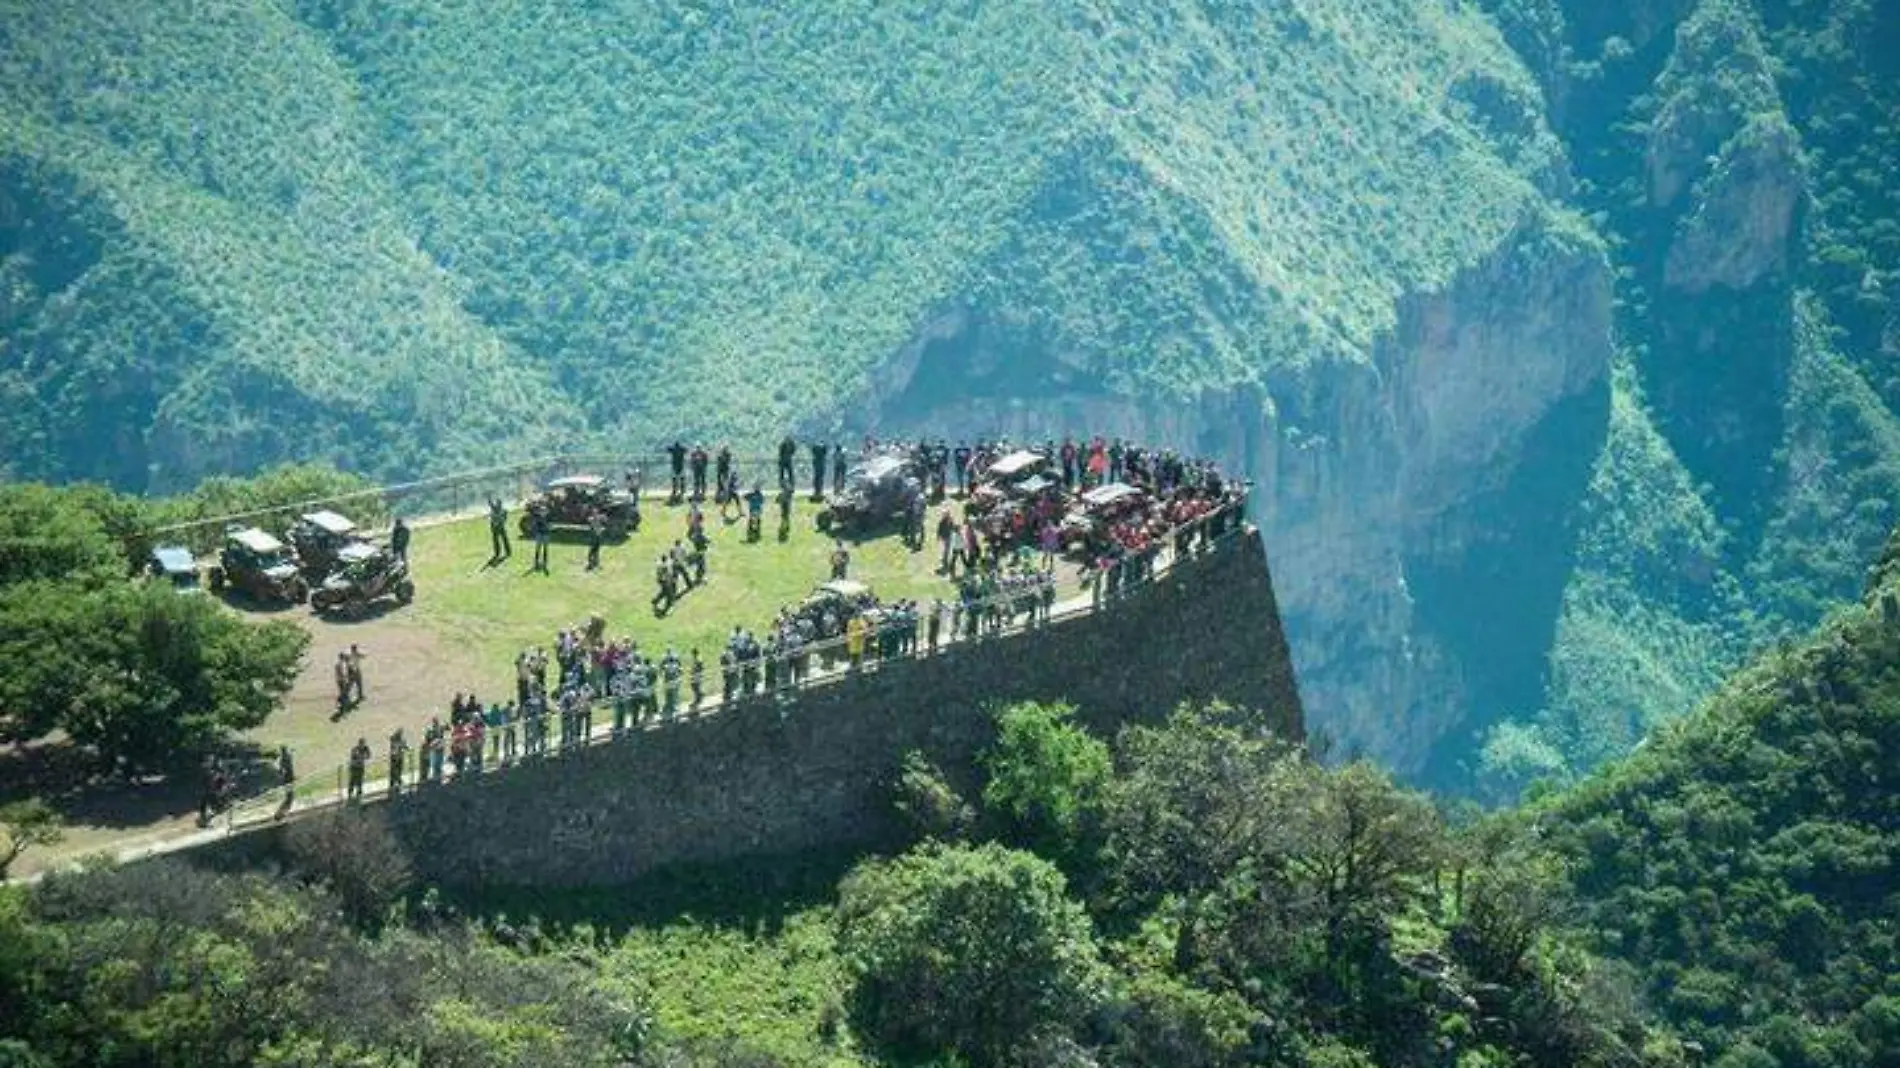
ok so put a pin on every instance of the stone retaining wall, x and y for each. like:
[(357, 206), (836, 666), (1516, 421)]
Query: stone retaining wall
[(769, 778)]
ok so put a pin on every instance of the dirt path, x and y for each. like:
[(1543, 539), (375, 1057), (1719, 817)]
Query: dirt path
[(409, 672)]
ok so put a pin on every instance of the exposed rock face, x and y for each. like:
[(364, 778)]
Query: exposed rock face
[(1742, 226), (1363, 468)]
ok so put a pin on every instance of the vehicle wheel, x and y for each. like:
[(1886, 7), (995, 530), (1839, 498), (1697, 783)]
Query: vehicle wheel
[(405, 592), (216, 578), (299, 593), (824, 521), (616, 532)]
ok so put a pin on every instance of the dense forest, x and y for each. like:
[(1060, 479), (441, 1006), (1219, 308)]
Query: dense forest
[(1191, 893)]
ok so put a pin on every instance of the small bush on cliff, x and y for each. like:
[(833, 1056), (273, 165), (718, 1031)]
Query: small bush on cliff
[(930, 807), (972, 952), (353, 853)]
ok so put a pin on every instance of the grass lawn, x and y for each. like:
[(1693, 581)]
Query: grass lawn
[(494, 612)]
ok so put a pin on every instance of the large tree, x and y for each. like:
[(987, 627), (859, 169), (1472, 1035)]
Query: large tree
[(144, 676), (971, 952)]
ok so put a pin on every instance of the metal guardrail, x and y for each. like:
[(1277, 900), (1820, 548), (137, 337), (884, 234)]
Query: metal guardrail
[(996, 617), (464, 493)]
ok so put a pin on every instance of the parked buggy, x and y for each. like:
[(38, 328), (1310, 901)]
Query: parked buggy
[(364, 574), (320, 539), (1085, 529), (877, 491), (1020, 478), (572, 502), (259, 566), (174, 564)]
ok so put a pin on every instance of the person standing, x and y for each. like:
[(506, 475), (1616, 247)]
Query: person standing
[(934, 625), (785, 512), (818, 451), (500, 549), (787, 454), (286, 774), (698, 463), (355, 659), (398, 756), (854, 635), (676, 456), (670, 674), (596, 531), (399, 540), (914, 523), (359, 759), (838, 463), (946, 532), (722, 468), (342, 684), (210, 779), (696, 678), (840, 560), (538, 529), (754, 512)]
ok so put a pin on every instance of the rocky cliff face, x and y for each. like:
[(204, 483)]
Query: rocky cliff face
[(1366, 468)]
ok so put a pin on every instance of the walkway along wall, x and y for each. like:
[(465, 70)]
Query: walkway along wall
[(769, 778)]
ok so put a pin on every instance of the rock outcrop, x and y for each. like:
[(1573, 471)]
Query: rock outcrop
[(1364, 468)]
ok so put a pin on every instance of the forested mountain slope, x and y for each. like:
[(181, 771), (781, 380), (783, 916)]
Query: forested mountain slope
[(1741, 156), (1747, 860), (1491, 300)]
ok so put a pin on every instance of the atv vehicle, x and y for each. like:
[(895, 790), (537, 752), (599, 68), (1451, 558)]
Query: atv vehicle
[(843, 597), (364, 573), (1021, 476), (1085, 528), (176, 565), (319, 538), (880, 489), (259, 566), (571, 501)]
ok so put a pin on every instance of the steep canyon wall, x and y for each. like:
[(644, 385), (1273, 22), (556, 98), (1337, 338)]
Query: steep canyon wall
[(1391, 486)]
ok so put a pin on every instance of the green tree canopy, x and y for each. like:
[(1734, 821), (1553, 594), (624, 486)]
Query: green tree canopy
[(56, 534), (965, 951), (140, 674), (1048, 778)]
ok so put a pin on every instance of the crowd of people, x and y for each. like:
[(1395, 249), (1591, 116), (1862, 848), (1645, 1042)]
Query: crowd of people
[(1000, 554)]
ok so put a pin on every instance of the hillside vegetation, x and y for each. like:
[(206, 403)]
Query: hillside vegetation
[(1739, 155), (400, 236), (1195, 893)]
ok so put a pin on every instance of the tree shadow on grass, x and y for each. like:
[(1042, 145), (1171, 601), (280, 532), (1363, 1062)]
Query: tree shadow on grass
[(68, 778)]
